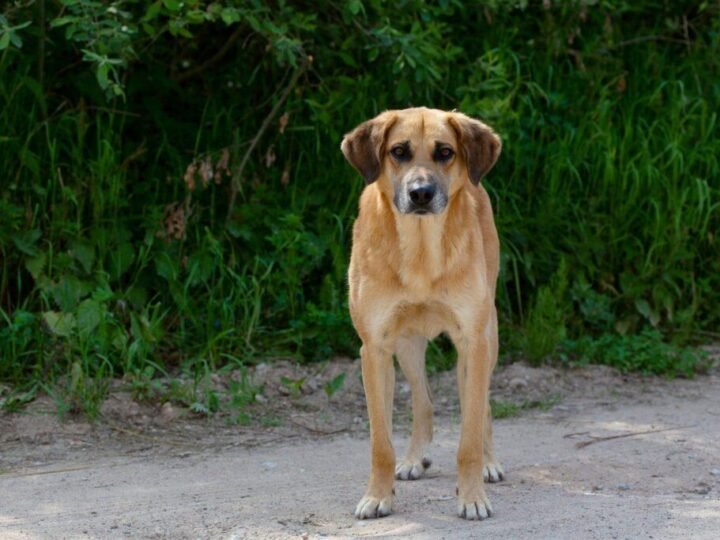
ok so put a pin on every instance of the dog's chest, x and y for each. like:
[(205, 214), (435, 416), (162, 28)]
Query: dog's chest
[(423, 257)]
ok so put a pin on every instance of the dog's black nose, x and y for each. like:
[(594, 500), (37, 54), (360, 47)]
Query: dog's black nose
[(422, 194)]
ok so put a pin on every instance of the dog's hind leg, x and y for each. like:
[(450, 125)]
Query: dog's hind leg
[(410, 354), (492, 470)]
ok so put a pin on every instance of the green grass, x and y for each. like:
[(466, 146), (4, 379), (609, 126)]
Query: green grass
[(509, 409), (117, 262)]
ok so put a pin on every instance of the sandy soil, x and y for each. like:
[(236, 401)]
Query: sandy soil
[(600, 455)]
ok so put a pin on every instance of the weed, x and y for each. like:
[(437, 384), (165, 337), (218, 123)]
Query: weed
[(646, 352), (144, 384), (545, 324), (508, 409), (206, 403), (294, 386), (241, 392), (271, 421), (12, 401), (332, 386), (81, 392), (504, 409)]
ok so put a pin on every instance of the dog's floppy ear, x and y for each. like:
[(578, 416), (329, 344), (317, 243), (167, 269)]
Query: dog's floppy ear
[(364, 146), (480, 145)]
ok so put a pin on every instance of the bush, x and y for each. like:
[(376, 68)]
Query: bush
[(545, 325), (645, 352), (172, 191)]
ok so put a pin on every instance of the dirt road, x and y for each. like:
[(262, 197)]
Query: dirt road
[(651, 470)]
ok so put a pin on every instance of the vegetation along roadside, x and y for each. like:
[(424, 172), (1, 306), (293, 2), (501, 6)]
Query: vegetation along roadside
[(173, 199)]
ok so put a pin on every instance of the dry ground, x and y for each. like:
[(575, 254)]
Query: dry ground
[(651, 468)]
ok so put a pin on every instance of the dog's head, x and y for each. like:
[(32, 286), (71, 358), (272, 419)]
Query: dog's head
[(422, 157)]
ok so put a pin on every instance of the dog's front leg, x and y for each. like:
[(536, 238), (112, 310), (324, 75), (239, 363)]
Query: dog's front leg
[(473, 381), (378, 379)]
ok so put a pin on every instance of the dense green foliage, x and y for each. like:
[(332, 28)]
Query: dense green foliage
[(172, 191)]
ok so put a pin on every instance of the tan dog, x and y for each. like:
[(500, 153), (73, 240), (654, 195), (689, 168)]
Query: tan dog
[(424, 261)]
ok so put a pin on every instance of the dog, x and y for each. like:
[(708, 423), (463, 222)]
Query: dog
[(425, 260)]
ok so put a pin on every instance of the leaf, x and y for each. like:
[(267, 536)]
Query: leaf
[(355, 6), (348, 59), (199, 408), (646, 311), (230, 15), (68, 291), (26, 241), (293, 385), (136, 295), (62, 21), (333, 386), (200, 268), (178, 29), (15, 401), (103, 294), (31, 160), (121, 259), (643, 307), (4, 40), (152, 11), (36, 265), (101, 74), (60, 324), (172, 5), (166, 267), (84, 253), (16, 40), (195, 16), (90, 314), (77, 377)]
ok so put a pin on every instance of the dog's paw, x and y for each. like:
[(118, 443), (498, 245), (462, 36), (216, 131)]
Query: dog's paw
[(373, 507), (412, 470), (493, 472), (476, 510)]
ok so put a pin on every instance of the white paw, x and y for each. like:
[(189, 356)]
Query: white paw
[(412, 470), (475, 510), (373, 507), (493, 472)]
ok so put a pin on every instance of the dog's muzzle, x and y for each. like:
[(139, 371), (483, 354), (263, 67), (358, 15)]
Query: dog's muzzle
[(421, 197)]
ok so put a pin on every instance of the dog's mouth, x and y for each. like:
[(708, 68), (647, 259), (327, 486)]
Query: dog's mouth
[(430, 210), (406, 204)]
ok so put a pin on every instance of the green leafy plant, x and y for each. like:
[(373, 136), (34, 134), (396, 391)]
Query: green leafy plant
[(10, 35), (173, 197), (294, 386), (509, 409), (333, 385), (545, 324), (241, 394), (645, 352)]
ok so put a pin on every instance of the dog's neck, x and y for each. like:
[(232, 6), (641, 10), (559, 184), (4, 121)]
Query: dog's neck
[(430, 245)]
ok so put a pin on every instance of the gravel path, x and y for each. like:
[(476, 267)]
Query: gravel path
[(663, 483)]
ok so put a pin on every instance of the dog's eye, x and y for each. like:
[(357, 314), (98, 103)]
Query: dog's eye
[(444, 153), (400, 152)]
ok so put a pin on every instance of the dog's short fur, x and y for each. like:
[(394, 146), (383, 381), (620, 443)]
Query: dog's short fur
[(424, 261)]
